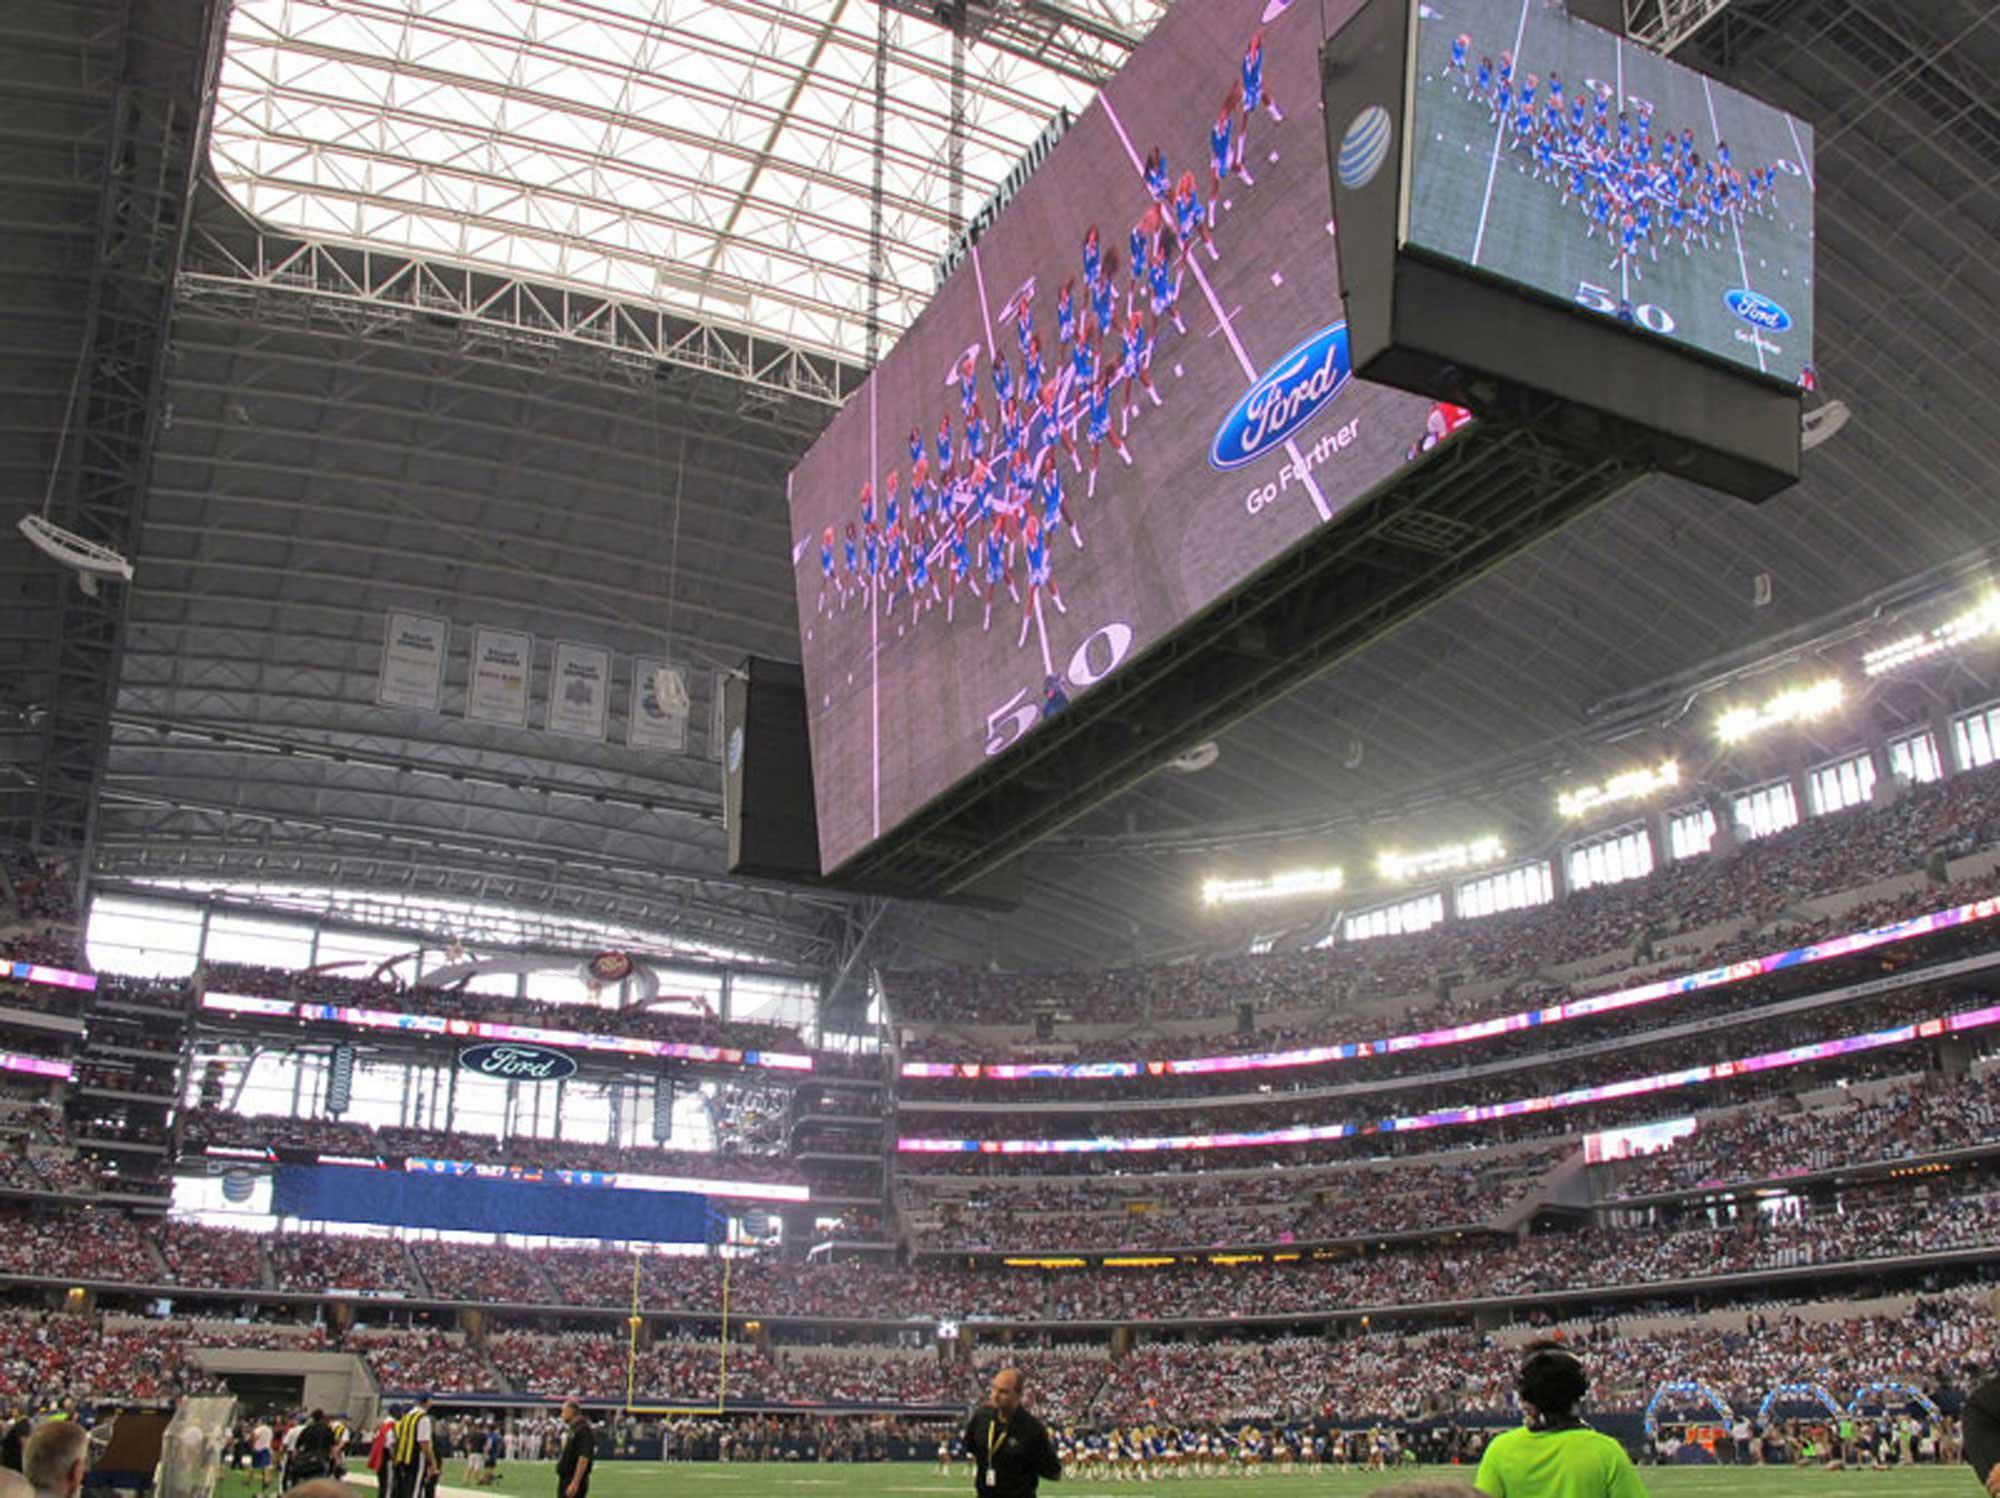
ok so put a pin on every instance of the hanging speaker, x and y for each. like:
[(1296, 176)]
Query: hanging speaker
[(340, 1080), (663, 1110)]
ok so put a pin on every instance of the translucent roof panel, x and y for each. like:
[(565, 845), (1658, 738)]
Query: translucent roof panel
[(711, 156)]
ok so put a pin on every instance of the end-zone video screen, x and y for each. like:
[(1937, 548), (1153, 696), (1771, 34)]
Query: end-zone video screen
[(1133, 395), (1559, 155)]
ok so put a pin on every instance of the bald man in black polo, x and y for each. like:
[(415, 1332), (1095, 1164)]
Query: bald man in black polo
[(1011, 1450), (1982, 1427)]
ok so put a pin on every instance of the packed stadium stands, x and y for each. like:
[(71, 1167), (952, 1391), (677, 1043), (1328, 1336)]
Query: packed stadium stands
[(1751, 889)]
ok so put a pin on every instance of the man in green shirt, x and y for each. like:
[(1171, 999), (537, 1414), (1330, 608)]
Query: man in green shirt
[(1555, 1455)]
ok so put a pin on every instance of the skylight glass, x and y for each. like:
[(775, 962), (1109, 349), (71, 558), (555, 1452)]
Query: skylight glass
[(714, 157)]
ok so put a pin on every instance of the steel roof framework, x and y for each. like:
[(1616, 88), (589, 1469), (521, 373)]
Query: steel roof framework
[(699, 155)]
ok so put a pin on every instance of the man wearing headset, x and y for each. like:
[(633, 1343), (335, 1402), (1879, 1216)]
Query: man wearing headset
[(1555, 1455)]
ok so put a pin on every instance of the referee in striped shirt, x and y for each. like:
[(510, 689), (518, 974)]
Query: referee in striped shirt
[(414, 1453)]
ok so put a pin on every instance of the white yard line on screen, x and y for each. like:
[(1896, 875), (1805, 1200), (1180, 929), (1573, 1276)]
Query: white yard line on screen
[(986, 315), (985, 312), (1800, 146), (874, 653), (1228, 327), (1499, 135), (1742, 260), (1624, 263)]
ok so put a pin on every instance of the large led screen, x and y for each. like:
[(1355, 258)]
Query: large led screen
[(1133, 394), (1559, 155)]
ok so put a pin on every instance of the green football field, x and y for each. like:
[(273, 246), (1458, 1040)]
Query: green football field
[(1475, 197), (754, 1480)]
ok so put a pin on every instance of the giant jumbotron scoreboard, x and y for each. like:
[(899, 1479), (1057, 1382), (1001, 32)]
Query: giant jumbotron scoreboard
[(1298, 329)]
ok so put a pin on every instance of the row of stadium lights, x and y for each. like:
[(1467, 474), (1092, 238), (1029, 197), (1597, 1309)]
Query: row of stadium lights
[(1795, 705)]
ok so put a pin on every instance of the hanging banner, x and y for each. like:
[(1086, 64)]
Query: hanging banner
[(715, 706), (496, 682), (413, 647), (659, 717), (580, 691)]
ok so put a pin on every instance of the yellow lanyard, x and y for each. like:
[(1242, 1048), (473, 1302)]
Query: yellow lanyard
[(994, 1428)]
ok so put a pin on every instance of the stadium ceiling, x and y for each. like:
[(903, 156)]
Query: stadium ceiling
[(518, 314)]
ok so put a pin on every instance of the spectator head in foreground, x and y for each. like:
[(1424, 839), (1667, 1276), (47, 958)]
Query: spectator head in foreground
[(56, 1457), (14, 1485), (1551, 1385), (320, 1487), (1555, 1455)]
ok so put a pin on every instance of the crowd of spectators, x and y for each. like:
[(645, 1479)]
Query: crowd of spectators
[(1364, 1106), (48, 1358), (1269, 1208), (1621, 923), (693, 1373), (1371, 1030), (483, 1272), (1861, 1224), (35, 1152), (43, 892), (203, 1127), (1922, 1118), (1941, 1344), (84, 1243), (225, 1257), (415, 1360), (317, 1261), (50, 947)]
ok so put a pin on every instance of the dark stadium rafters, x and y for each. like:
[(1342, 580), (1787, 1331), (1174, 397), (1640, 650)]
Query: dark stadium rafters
[(343, 430)]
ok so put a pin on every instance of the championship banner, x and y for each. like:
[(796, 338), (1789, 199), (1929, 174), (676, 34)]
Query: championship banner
[(413, 648), (659, 716), (580, 691), (496, 681)]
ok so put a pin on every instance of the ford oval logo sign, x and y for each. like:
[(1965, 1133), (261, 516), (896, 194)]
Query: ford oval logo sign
[(1758, 310), (512, 1061), (1287, 396)]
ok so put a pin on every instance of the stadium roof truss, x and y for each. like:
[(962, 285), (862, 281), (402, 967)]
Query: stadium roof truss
[(518, 314), (776, 168)]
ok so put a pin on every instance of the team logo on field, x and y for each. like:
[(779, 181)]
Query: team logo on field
[(1365, 147), (1287, 396), (1757, 310)]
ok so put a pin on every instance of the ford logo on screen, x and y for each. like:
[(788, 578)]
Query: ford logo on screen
[(1286, 396), (514, 1062), (1758, 310)]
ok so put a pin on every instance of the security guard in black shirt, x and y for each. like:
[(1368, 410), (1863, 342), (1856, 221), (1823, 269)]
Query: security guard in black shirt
[(1011, 1451), (1982, 1427)]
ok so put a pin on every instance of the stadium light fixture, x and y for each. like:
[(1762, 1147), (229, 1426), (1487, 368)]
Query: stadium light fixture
[(1442, 860), (1293, 884), (1976, 623), (1799, 705), (1632, 785)]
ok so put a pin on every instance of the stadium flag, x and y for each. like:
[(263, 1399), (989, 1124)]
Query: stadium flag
[(659, 712), (580, 691), (413, 650), (496, 681)]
